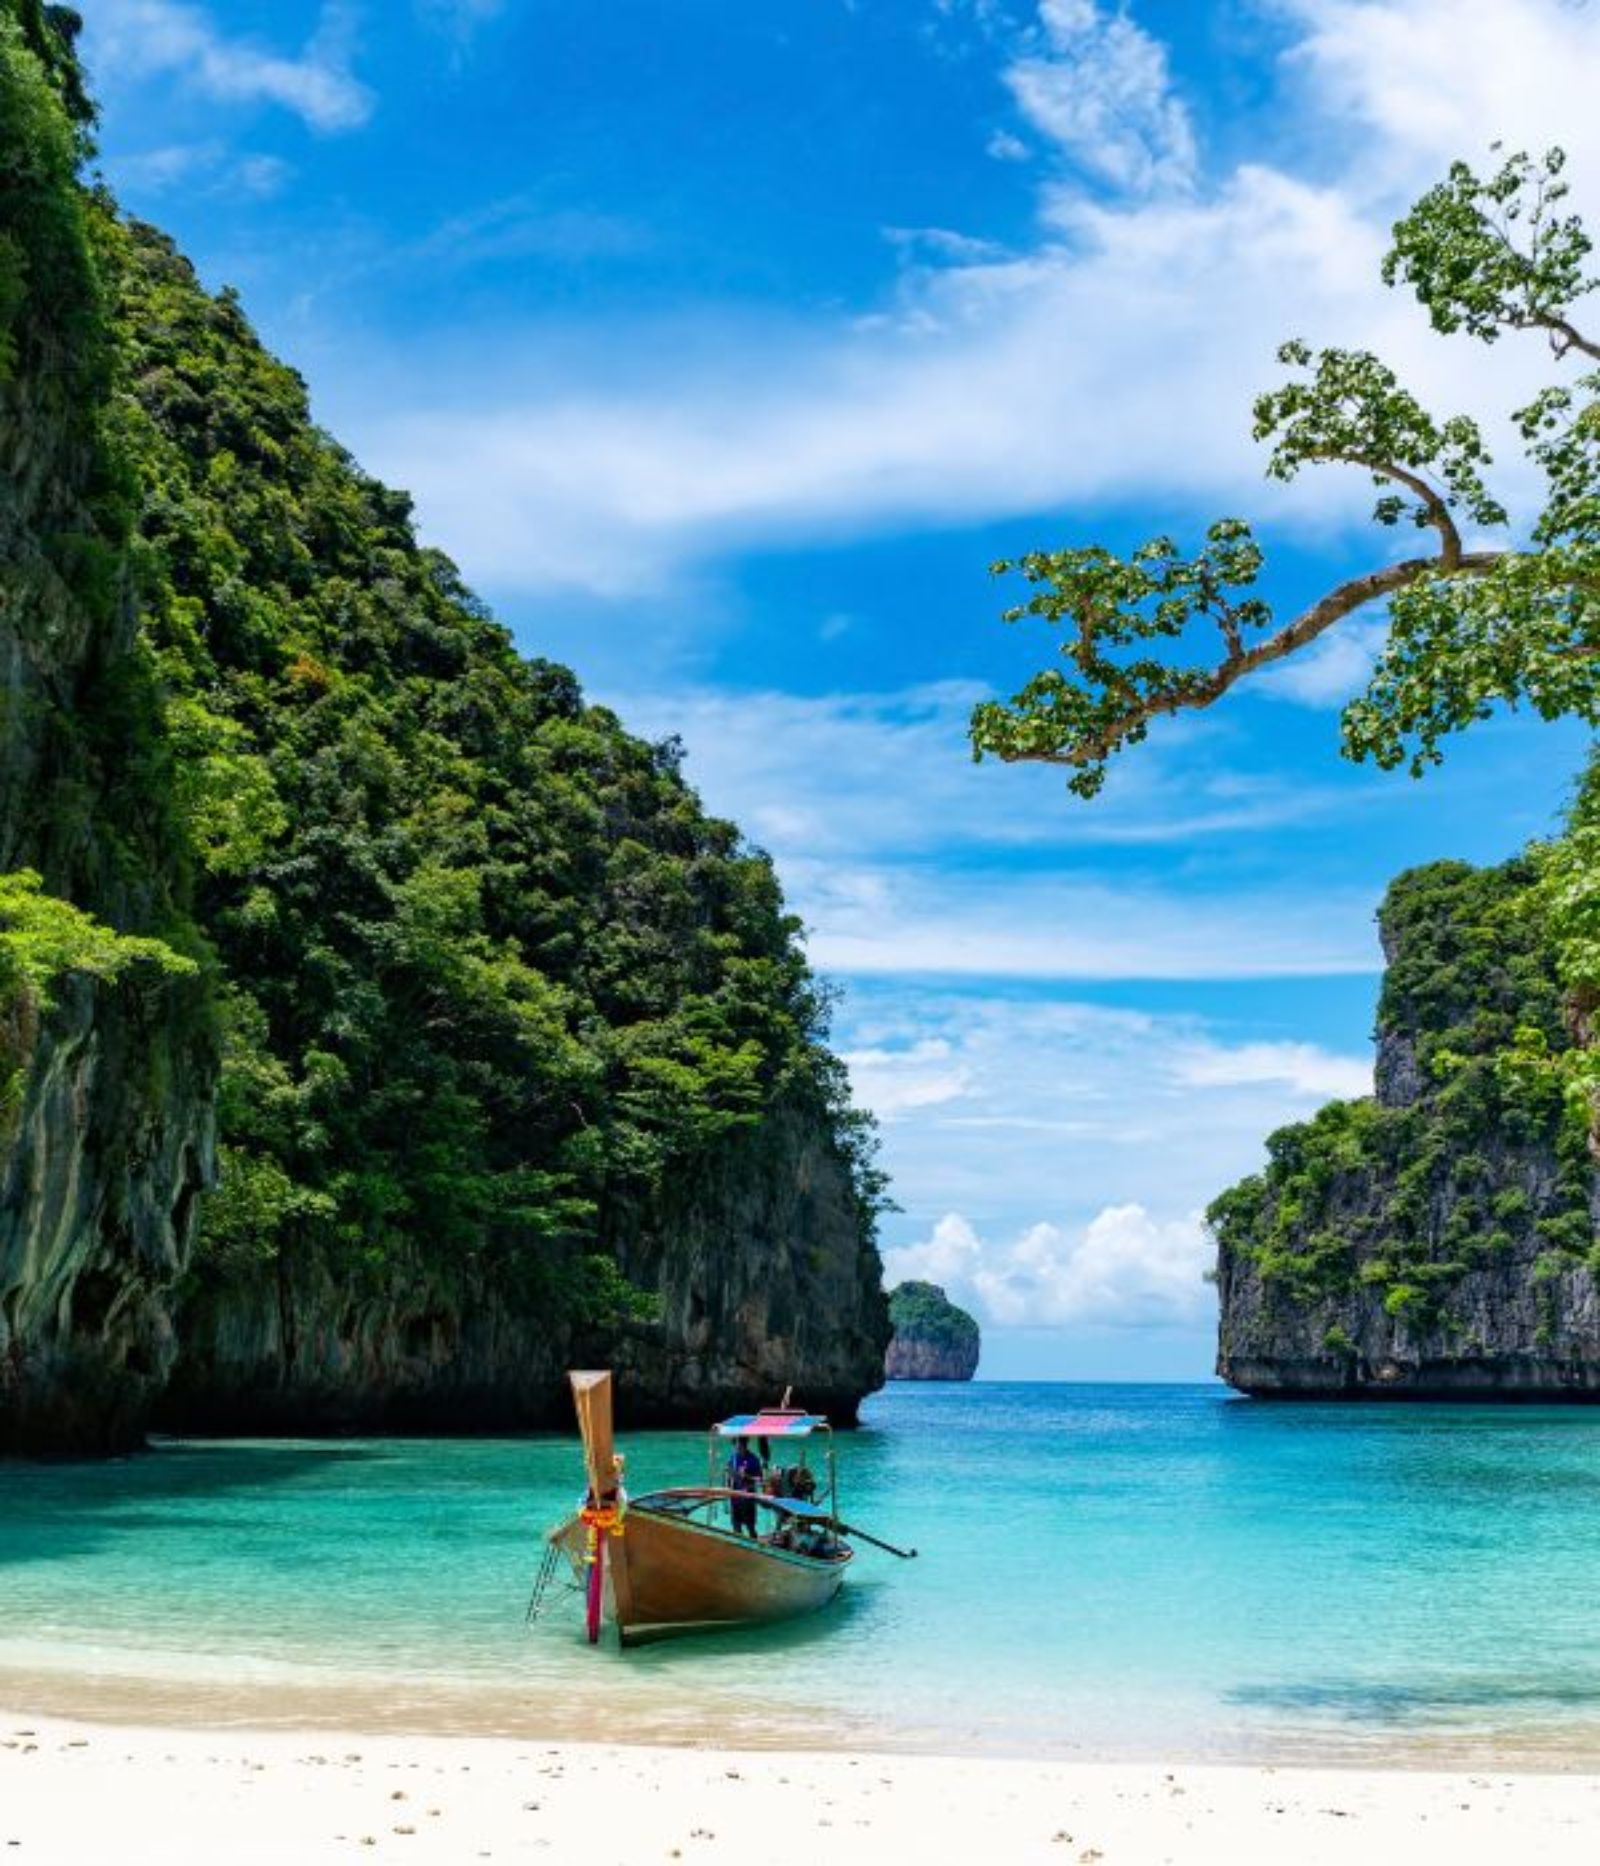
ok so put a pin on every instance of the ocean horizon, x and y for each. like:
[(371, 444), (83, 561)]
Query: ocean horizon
[(1105, 1571)]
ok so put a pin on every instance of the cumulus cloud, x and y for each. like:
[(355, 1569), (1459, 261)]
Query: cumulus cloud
[(1114, 360), (1123, 1269), (948, 1255), (1099, 89), (139, 38), (1049, 1107)]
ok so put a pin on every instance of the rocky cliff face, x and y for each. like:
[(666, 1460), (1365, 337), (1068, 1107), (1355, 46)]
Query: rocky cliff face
[(102, 1159), (759, 1282), (933, 1339), (1438, 1241), (105, 1085)]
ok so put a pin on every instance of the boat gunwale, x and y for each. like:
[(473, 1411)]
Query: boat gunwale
[(812, 1563)]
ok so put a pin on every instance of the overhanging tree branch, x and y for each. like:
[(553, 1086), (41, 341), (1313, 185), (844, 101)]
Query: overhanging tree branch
[(1468, 628)]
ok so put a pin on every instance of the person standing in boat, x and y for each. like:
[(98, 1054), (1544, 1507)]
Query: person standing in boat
[(744, 1477)]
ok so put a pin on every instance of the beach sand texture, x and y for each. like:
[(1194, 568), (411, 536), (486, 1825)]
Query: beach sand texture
[(74, 1794)]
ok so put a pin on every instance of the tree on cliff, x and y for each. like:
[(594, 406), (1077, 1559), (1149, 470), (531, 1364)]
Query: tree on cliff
[(1471, 623)]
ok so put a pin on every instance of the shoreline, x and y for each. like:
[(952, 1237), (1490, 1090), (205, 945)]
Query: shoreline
[(74, 1792), (625, 1714)]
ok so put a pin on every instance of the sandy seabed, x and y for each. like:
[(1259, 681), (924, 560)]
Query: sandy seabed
[(85, 1794)]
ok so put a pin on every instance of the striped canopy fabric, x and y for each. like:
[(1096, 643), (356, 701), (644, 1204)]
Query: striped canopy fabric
[(771, 1425)]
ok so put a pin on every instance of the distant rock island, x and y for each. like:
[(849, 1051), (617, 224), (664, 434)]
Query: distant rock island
[(933, 1339)]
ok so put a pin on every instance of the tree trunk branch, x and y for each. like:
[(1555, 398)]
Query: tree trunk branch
[(1565, 337), (1338, 603), (1440, 516)]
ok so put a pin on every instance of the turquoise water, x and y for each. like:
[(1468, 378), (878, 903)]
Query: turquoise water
[(1103, 1571)]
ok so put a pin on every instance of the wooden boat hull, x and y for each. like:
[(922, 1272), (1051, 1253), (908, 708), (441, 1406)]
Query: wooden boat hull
[(665, 1573)]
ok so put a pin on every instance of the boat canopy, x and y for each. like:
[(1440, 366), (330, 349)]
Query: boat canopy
[(774, 1424)]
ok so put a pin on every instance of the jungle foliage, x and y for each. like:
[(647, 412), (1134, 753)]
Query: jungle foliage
[(66, 521), (488, 978), (490, 973)]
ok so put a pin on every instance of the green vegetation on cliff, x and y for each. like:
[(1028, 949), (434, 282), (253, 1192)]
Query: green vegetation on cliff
[(933, 1338), (490, 987), (924, 1310), (1472, 993), (491, 974), (79, 769), (106, 1055), (94, 819)]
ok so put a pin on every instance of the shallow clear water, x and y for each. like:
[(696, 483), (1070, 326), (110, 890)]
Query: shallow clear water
[(1109, 1570)]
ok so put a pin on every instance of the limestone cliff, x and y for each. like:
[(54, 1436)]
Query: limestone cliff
[(754, 1261), (511, 1049), (1439, 1240), (933, 1339), (105, 1081)]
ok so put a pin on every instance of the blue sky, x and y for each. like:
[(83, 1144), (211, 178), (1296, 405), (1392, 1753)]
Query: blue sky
[(725, 346)]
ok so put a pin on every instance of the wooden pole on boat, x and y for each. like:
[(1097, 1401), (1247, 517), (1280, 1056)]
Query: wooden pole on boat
[(591, 1395), (605, 1505), (849, 1529)]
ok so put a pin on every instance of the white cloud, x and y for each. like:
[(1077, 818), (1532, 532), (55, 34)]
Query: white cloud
[(1302, 1068), (1054, 1108), (1007, 386), (893, 1082), (520, 226), (1422, 81), (207, 166), (1002, 924), (941, 243), (1123, 1269), (138, 38), (1100, 90), (837, 774), (168, 165), (948, 1255), (1332, 670), (1114, 362), (900, 854), (263, 175)]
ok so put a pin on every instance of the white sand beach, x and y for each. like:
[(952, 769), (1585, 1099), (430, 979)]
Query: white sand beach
[(83, 1794)]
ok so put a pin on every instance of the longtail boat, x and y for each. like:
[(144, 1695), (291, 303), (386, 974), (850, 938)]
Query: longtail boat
[(667, 1561)]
